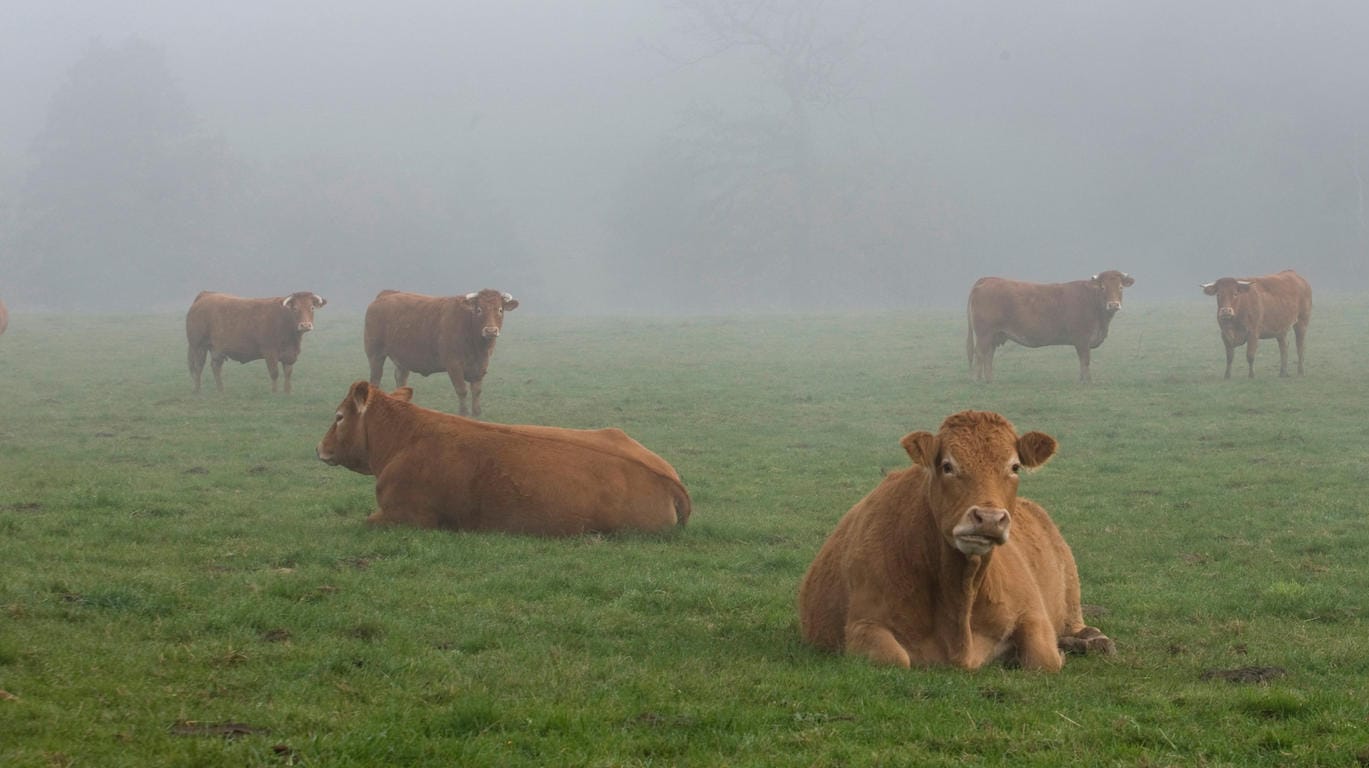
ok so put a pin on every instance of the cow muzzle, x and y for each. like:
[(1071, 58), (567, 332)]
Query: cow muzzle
[(323, 457), (982, 529), (1226, 312), (304, 327), (490, 332), (1113, 306)]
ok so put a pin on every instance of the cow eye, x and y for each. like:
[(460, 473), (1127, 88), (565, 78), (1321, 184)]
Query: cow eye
[(337, 417), (947, 468), (1016, 467)]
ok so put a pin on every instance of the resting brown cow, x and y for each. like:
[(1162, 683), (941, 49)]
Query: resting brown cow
[(436, 470), (943, 564), (1257, 308), (1075, 314), (428, 334), (232, 328)]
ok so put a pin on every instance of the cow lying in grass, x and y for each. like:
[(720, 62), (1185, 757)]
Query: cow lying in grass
[(436, 470), (942, 563)]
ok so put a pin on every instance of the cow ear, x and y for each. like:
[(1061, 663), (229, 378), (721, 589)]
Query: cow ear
[(319, 301), (1128, 281), (921, 447), (1034, 448), (359, 395), (1210, 289), (510, 305), (403, 393)]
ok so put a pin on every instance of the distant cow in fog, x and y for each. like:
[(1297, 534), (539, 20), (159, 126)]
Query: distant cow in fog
[(1257, 308), (1076, 314), (4, 317), (429, 334), (229, 327)]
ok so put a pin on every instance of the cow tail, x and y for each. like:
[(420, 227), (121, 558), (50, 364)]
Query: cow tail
[(683, 504)]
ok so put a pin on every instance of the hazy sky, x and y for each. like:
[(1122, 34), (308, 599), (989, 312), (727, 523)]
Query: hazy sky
[(1169, 139)]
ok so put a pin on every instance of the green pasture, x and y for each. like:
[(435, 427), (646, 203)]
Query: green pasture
[(183, 583)]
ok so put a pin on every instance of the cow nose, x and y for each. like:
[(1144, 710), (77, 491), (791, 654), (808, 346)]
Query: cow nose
[(306, 327), (1113, 306), (491, 331), (990, 518), (1226, 312)]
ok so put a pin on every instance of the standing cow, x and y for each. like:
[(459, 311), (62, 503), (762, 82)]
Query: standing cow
[(1262, 308), (436, 470), (1076, 314), (229, 327), (4, 317), (429, 334), (943, 563)]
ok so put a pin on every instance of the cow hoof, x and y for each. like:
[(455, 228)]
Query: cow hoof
[(1088, 640)]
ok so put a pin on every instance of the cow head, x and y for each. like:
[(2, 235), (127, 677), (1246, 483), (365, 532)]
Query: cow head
[(1226, 289), (301, 305), (1110, 285), (972, 465), (345, 443), (488, 307)]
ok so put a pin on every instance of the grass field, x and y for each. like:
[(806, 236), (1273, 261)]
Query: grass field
[(183, 583)]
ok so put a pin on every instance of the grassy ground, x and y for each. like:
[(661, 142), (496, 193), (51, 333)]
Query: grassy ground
[(183, 583)]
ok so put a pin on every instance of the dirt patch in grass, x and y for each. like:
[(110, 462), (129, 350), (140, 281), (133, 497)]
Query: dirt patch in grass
[(226, 730), (1247, 675)]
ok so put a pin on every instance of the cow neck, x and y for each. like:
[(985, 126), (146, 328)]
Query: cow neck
[(961, 582), (288, 328), (388, 427)]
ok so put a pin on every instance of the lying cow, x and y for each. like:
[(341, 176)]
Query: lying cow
[(436, 470), (428, 334), (942, 563), (1262, 308), (1075, 314), (232, 328)]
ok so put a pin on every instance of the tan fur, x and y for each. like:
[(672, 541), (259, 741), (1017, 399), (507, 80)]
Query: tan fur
[(890, 583), (437, 470), (1264, 309), (1073, 314), (233, 328), (431, 334)]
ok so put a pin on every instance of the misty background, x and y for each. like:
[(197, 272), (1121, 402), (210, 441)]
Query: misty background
[(675, 156)]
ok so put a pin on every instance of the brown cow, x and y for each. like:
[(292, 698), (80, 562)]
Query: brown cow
[(923, 571), (428, 334), (1257, 308), (229, 327), (1076, 314), (436, 470)]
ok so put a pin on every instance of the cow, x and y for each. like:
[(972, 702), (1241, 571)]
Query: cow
[(942, 564), (1075, 314), (4, 317), (234, 328), (1255, 308), (428, 334), (439, 470)]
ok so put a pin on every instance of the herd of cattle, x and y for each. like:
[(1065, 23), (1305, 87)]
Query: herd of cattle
[(922, 571)]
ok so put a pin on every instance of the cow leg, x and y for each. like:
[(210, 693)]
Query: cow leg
[(401, 376), (983, 358), (475, 398), (287, 367), (1299, 336), (1230, 355), (1083, 351), (196, 356), (458, 377), (378, 368), (1087, 640), (1283, 354), (274, 369), (1037, 646), (216, 364), (1250, 345), (875, 642)]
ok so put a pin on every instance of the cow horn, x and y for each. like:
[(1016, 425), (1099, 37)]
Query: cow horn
[(1095, 277), (1205, 286), (287, 301), (508, 296), (470, 296), (319, 300), (1243, 282)]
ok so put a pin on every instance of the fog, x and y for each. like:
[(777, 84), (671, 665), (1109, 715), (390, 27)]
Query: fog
[(675, 156)]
